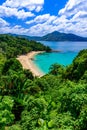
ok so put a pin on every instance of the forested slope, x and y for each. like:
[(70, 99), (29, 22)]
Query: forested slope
[(56, 101), (13, 46)]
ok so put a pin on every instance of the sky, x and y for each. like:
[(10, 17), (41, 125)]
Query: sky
[(40, 17)]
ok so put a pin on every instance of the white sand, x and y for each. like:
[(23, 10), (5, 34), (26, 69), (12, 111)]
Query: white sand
[(26, 61)]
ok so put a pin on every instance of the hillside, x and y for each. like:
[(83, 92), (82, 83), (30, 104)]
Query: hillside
[(12, 46), (56, 101), (56, 36)]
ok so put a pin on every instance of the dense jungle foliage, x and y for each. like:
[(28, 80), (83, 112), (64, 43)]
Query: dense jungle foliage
[(14, 46), (56, 101)]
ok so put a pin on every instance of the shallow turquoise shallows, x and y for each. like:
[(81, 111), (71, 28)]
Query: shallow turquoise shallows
[(69, 50), (45, 60)]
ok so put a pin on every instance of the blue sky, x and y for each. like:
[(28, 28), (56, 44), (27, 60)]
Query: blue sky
[(39, 17)]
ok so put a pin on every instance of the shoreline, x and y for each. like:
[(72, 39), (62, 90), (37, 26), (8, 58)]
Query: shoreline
[(26, 61)]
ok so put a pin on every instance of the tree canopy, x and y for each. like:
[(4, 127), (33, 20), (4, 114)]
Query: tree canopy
[(14, 46), (56, 101)]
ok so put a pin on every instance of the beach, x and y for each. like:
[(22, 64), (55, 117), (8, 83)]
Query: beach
[(27, 63)]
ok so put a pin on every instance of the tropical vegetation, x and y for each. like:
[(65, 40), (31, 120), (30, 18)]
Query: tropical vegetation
[(56, 101)]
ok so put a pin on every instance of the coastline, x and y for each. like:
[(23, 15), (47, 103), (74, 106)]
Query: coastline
[(26, 61)]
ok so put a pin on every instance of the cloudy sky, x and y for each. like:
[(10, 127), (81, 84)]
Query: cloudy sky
[(39, 17)]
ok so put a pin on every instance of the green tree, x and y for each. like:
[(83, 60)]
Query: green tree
[(6, 116), (12, 64), (56, 69)]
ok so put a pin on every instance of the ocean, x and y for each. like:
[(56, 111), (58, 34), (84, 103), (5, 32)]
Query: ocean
[(68, 51)]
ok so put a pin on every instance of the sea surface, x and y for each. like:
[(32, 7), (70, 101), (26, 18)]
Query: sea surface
[(68, 51)]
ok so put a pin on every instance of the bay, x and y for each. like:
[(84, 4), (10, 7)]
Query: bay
[(66, 46), (68, 51)]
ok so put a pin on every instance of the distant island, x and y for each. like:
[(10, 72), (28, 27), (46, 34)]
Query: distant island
[(55, 36)]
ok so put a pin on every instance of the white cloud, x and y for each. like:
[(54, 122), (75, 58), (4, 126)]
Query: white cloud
[(14, 29), (71, 19), (36, 4), (38, 8), (60, 20), (8, 12), (40, 29), (3, 23), (79, 15), (73, 6), (75, 12), (42, 24), (42, 18), (21, 14), (17, 8)]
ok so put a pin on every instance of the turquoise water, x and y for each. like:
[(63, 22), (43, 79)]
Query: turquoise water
[(69, 50), (45, 60)]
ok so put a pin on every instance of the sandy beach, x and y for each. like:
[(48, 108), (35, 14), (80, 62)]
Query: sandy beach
[(26, 61)]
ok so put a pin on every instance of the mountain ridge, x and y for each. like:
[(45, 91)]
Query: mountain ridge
[(55, 36)]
